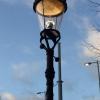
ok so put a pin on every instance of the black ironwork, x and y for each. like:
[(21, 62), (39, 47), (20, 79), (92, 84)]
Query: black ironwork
[(49, 34), (54, 36)]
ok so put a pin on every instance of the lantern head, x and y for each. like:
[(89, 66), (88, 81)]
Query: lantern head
[(50, 12)]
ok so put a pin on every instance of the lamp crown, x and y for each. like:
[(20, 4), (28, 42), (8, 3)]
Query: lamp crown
[(56, 6)]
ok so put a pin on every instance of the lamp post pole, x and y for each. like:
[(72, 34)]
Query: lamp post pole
[(98, 73), (49, 74)]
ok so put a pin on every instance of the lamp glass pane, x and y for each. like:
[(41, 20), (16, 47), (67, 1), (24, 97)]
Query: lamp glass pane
[(50, 22)]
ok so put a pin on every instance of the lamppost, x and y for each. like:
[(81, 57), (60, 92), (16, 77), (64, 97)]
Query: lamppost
[(97, 63), (50, 13)]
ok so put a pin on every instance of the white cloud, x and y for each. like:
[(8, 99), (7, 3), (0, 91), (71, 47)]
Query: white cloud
[(10, 96), (29, 97), (92, 46), (91, 97), (26, 72), (7, 96)]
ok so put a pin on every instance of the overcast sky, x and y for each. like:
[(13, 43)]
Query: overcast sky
[(23, 63)]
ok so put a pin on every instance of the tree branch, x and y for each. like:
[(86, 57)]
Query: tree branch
[(92, 48), (95, 3)]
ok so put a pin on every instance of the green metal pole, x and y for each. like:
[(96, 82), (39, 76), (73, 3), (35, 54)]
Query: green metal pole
[(98, 73), (59, 74)]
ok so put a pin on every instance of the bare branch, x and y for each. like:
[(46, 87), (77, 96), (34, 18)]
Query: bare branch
[(95, 3), (98, 11), (92, 48)]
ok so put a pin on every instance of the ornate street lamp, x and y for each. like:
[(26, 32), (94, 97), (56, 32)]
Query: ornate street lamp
[(50, 14)]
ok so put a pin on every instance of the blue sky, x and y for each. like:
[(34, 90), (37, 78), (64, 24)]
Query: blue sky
[(22, 63)]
